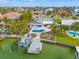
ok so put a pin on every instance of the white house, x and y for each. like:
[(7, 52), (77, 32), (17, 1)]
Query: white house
[(45, 20), (76, 12), (41, 22), (47, 10), (68, 21)]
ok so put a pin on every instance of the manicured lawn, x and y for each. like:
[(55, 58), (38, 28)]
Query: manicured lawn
[(49, 51), (67, 40)]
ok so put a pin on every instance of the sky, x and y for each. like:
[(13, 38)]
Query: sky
[(40, 3)]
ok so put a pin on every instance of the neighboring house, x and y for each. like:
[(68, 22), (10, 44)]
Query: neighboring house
[(12, 15), (48, 10), (0, 15), (42, 22), (2, 30), (37, 13), (76, 12), (61, 10), (64, 11), (68, 21)]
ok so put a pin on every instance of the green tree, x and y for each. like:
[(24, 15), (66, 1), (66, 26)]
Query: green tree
[(75, 27), (58, 21), (65, 28), (74, 17), (25, 18), (19, 26)]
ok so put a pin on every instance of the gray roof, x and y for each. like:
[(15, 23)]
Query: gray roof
[(68, 21), (41, 20)]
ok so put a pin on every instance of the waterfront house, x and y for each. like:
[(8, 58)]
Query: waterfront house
[(76, 12), (12, 15), (2, 29), (68, 21), (41, 22), (37, 13)]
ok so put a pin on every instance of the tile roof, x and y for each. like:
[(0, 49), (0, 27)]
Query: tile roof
[(12, 15), (0, 15)]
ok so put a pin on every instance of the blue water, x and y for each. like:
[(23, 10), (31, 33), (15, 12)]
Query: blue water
[(72, 33), (38, 30)]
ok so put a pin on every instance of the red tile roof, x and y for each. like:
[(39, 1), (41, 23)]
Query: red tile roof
[(61, 10), (0, 15), (12, 15)]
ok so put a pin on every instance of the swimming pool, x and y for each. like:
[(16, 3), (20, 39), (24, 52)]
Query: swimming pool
[(38, 30), (72, 33)]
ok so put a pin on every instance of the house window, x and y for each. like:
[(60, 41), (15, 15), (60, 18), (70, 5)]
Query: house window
[(45, 25), (0, 21), (39, 25), (31, 25)]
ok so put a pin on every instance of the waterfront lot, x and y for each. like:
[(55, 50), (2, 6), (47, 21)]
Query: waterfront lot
[(49, 51)]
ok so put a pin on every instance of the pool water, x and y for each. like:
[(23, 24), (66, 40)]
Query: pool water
[(40, 31), (72, 33)]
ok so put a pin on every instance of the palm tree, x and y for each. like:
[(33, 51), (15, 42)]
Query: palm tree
[(25, 18), (57, 29), (65, 28), (74, 17), (75, 27)]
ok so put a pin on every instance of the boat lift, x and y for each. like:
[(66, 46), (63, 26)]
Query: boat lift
[(33, 45)]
